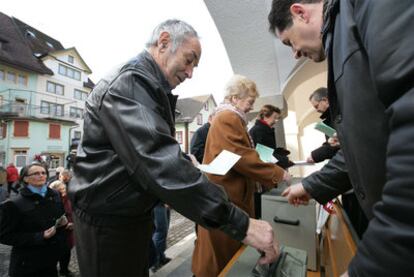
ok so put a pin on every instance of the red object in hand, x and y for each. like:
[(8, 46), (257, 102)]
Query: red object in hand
[(329, 207)]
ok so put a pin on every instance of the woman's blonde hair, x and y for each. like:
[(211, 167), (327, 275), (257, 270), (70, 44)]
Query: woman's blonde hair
[(56, 184), (240, 87)]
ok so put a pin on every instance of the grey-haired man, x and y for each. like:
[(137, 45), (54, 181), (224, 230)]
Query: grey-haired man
[(128, 159)]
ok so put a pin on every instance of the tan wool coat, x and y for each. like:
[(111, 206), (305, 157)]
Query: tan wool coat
[(213, 248)]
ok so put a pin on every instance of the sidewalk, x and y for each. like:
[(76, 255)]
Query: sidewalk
[(180, 244)]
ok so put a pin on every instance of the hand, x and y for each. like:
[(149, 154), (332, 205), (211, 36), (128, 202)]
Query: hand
[(345, 274), (49, 232), (286, 177), (260, 236), (63, 221), (310, 160), (334, 141), (69, 226), (296, 195)]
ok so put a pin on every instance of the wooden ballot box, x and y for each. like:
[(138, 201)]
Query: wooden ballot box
[(293, 226)]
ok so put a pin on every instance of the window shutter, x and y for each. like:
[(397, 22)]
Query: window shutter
[(21, 128), (4, 130), (54, 131)]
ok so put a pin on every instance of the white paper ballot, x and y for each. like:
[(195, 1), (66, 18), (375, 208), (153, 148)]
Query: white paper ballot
[(302, 163), (221, 164)]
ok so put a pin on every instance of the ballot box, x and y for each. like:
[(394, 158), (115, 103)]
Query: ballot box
[(291, 263), (293, 226)]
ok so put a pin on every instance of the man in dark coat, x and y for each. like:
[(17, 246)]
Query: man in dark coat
[(319, 100), (128, 160), (198, 141), (369, 47)]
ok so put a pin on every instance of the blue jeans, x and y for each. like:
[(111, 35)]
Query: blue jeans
[(159, 237)]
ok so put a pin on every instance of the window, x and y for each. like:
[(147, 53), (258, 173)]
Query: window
[(2, 74), (59, 110), (71, 59), (30, 34), (3, 130), (77, 134), (51, 108), (206, 106), (11, 77), (76, 112), (54, 131), (49, 44), (199, 119), (69, 72), (44, 107), (77, 75), (21, 128), (191, 135), (56, 160), (20, 158), (80, 95), (62, 70), (22, 80), (55, 88), (179, 137)]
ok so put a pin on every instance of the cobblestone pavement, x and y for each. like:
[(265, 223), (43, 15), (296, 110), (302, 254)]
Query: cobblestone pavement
[(180, 227)]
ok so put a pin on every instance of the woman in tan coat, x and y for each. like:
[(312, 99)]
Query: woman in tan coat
[(214, 249)]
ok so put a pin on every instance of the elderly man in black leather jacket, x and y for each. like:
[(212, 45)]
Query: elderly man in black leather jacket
[(369, 47), (128, 160)]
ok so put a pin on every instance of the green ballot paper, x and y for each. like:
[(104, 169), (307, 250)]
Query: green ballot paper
[(265, 153), (329, 131)]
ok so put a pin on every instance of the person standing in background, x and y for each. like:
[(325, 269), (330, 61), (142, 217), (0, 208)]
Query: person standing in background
[(12, 177), (61, 187), (32, 223), (319, 100), (263, 132), (198, 141), (3, 184)]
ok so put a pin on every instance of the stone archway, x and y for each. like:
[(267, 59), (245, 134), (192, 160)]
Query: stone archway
[(301, 83)]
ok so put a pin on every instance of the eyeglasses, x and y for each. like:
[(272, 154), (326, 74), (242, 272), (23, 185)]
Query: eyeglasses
[(37, 174)]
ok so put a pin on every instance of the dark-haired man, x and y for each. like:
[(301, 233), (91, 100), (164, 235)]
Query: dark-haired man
[(369, 47)]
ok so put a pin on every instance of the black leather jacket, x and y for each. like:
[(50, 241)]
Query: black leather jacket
[(128, 158)]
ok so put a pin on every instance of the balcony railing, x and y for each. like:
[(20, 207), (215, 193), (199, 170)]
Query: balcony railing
[(10, 107), (16, 109)]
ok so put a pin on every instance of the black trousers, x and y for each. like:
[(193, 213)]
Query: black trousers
[(355, 213), (44, 272), (113, 250), (64, 258)]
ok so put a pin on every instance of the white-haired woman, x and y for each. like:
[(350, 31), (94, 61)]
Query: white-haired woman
[(228, 131)]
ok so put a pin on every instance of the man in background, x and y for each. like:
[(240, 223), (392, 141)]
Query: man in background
[(198, 141)]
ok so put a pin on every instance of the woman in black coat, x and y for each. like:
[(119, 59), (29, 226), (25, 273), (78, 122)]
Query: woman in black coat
[(263, 132), (32, 223)]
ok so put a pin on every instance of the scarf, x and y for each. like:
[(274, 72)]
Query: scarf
[(228, 107), (38, 190)]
